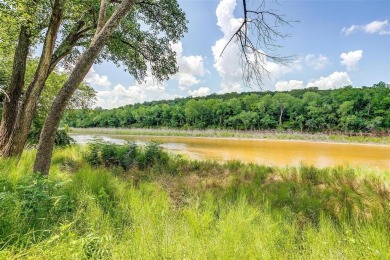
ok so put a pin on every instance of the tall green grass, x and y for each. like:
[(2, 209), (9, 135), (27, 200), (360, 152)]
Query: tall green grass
[(190, 209)]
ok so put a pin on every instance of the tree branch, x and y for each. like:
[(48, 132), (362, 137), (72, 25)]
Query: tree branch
[(254, 55), (102, 16), (101, 19)]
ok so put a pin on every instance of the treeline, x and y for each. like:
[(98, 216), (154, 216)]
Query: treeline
[(363, 109)]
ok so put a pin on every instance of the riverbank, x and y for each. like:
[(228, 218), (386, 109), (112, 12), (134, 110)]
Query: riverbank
[(272, 135), (168, 207)]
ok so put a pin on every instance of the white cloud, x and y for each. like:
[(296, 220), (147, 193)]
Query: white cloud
[(189, 67), (227, 65), (379, 27), (349, 30), (187, 80), (289, 85), (137, 93), (351, 59), (95, 79), (201, 92), (276, 70), (334, 80), (317, 62)]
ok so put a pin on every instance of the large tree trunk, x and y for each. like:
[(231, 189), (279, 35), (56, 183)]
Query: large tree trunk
[(85, 62), (27, 112), (18, 139), (11, 103)]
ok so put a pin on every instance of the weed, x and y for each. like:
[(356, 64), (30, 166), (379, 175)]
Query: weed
[(174, 208)]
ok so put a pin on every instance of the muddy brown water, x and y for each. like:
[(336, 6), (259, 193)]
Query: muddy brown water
[(268, 152)]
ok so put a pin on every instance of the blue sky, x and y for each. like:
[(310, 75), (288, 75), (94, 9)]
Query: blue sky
[(336, 43)]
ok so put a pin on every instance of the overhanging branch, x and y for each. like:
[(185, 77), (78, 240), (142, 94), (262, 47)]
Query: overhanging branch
[(256, 37)]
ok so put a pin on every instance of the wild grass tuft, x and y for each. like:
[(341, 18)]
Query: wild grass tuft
[(189, 209)]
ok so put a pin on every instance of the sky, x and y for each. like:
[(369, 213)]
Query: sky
[(335, 43)]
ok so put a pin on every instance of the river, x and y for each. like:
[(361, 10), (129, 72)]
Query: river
[(268, 152)]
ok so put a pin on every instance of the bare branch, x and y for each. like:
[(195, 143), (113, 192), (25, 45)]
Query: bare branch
[(256, 38)]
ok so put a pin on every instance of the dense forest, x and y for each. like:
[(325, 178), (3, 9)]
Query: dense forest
[(365, 109)]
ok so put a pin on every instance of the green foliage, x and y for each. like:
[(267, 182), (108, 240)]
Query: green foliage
[(125, 156), (346, 110), (152, 155), (204, 210), (30, 206), (62, 137), (84, 98)]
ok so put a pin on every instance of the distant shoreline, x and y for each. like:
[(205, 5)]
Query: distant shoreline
[(231, 134)]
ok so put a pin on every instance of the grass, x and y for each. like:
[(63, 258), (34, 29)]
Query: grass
[(277, 135), (189, 209)]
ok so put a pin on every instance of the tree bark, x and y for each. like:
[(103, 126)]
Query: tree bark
[(85, 62), (280, 115), (27, 112), (102, 16), (11, 103), (18, 138)]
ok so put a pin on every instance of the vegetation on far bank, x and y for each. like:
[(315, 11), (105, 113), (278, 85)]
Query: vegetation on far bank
[(108, 201), (348, 110), (224, 133)]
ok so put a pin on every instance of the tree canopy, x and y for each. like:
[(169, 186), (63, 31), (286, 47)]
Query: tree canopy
[(347, 109)]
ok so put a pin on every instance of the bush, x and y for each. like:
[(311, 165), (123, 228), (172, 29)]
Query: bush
[(125, 156), (152, 155), (63, 139)]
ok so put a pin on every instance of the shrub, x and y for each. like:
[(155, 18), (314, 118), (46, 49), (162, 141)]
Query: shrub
[(63, 139), (125, 156), (152, 155)]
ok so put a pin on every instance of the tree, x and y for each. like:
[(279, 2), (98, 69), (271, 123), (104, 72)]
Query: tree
[(22, 119), (16, 84), (78, 19), (167, 24), (281, 102), (347, 118), (126, 46)]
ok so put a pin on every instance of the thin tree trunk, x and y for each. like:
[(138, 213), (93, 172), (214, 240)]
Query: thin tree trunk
[(85, 62), (280, 116), (18, 139), (11, 103)]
